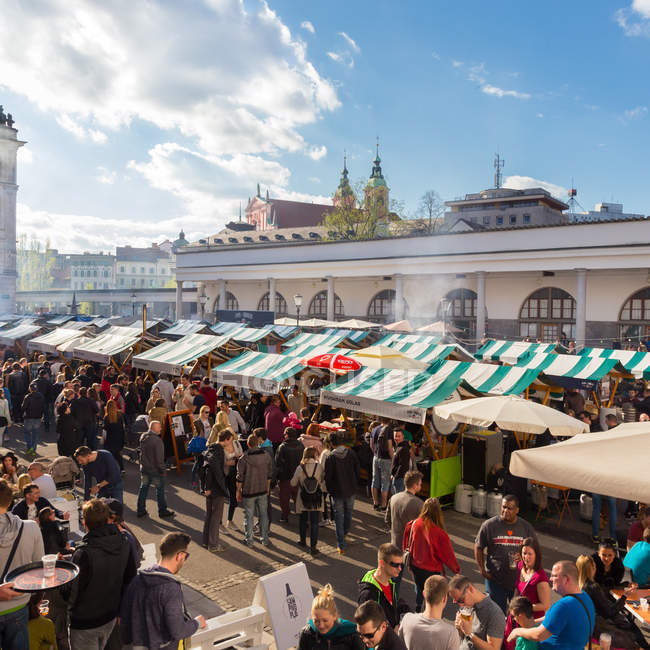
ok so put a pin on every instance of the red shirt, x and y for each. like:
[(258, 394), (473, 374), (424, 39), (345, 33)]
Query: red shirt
[(430, 547), (210, 396), (387, 591)]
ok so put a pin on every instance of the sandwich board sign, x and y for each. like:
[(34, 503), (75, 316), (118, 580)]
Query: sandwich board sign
[(286, 595)]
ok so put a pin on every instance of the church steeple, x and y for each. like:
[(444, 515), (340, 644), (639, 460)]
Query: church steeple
[(376, 167), (344, 194), (376, 191)]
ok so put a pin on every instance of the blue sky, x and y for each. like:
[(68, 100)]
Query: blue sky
[(142, 118)]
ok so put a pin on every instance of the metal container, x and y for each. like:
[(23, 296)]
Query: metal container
[(479, 502)]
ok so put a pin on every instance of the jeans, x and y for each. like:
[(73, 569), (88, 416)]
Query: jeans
[(312, 517), (158, 481), (13, 630), (32, 429), (113, 491), (419, 578), (381, 474), (88, 432), (286, 494), (48, 415), (232, 494), (343, 507), (92, 639), (261, 502), (499, 594), (198, 463), (398, 485), (596, 505)]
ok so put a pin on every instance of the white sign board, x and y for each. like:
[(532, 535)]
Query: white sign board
[(177, 424), (287, 596)]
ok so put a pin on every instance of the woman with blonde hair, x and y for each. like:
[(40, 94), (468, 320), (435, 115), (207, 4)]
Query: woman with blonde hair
[(114, 428), (610, 617), (309, 497), (325, 630), (430, 547)]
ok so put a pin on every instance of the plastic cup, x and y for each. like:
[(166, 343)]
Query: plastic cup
[(49, 564), (605, 641), (466, 613), (643, 603), (44, 607)]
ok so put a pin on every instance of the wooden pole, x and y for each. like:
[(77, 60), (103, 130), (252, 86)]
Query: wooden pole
[(611, 397)]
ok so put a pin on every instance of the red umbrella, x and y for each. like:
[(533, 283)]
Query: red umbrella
[(332, 361)]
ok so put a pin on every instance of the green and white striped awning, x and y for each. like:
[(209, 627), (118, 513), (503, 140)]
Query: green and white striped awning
[(353, 338), (253, 334), (512, 352), (112, 342), (331, 340), (394, 339), (49, 342), (185, 327), (257, 371), (59, 320), (22, 330), (636, 363), (571, 366), (307, 351), (175, 356), (488, 379), (430, 352)]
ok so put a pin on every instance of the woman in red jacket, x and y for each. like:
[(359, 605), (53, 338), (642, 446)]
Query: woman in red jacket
[(430, 547)]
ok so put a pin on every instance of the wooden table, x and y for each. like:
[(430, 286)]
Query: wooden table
[(636, 594), (563, 505)]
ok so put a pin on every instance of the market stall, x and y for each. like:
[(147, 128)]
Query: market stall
[(49, 342)]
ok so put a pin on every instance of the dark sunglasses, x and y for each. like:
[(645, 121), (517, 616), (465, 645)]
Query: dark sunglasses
[(369, 635), (396, 565)]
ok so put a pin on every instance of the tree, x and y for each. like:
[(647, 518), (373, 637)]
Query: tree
[(431, 207), (352, 221)]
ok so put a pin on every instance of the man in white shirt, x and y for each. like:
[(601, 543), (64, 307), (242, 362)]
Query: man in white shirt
[(237, 423), (166, 389), (43, 480)]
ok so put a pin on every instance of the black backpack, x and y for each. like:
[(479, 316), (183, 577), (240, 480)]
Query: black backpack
[(310, 493), (385, 434)]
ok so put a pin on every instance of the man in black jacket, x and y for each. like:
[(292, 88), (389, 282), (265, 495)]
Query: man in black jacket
[(287, 459), (33, 410), (401, 460), (341, 479), (32, 503), (216, 491), (374, 629), (17, 382), (44, 386), (84, 411), (106, 566)]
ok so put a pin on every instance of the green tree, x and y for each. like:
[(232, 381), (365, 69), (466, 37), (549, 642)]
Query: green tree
[(355, 220)]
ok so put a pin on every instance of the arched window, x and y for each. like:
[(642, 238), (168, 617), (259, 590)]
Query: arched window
[(231, 302), (280, 303), (548, 314), (634, 319), (461, 311), (382, 306), (318, 306)]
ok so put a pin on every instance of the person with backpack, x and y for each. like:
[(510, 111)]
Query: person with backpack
[(308, 479), (213, 484), (287, 459), (382, 445)]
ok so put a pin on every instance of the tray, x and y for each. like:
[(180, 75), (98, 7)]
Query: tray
[(29, 577)]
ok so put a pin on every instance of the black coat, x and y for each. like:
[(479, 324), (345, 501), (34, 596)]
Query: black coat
[(348, 639), (287, 459), (54, 540), (401, 460), (17, 383), (214, 475), (254, 415), (66, 435), (33, 406), (342, 473), (611, 579), (114, 433), (84, 410)]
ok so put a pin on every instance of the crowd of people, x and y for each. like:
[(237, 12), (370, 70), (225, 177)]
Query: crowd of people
[(242, 451)]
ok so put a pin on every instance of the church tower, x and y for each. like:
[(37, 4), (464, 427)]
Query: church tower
[(344, 194), (9, 145), (376, 191)]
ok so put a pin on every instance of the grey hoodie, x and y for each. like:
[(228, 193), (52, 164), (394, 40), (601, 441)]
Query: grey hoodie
[(30, 549), (152, 453)]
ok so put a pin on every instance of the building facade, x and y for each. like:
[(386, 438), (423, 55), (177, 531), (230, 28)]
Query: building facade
[(143, 268), (92, 271)]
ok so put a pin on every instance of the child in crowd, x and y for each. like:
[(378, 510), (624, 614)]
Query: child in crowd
[(522, 611)]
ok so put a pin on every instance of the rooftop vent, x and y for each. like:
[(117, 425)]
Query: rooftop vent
[(280, 237)]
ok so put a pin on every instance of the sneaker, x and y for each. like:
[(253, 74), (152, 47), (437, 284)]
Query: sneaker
[(142, 514), (256, 529), (324, 522), (340, 551), (612, 541), (266, 543), (302, 544), (314, 551), (219, 548), (595, 539), (249, 544), (166, 514), (375, 506)]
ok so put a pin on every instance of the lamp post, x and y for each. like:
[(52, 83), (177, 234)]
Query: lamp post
[(202, 300), (133, 299), (444, 308), (297, 300)]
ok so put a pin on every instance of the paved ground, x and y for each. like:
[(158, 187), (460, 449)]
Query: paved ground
[(227, 581)]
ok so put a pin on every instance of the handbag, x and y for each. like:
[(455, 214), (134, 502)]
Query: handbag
[(3, 421), (197, 445), (406, 557)]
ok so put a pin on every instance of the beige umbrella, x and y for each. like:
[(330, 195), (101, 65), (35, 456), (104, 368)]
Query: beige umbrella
[(399, 326), (439, 328), (513, 414), (357, 324), (613, 462), (284, 321), (382, 356)]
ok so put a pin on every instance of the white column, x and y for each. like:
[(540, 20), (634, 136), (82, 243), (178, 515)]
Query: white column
[(330, 297), (200, 291), (581, 307), (179, 299), (399, 296), (480, 305), (272, 295), (222, 295)]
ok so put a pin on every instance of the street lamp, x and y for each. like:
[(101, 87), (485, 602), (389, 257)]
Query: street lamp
[(297, 300), (203, 299), (133, 299)]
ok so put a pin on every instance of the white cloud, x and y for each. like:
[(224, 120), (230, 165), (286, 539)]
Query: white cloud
[(231, 80), (642, 7), (457, 64), (540, 115), (306, 25), (636, 113), (477, 73), (527, 182), (495, 91), (314, 179), (106, 176), (316, 153), (351, 42), (635, 20), (435, 55)]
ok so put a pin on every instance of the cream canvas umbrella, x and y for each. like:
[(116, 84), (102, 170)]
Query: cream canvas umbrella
[(399, 326), (439, 328), (513, 414), (285, 320), (613, 462), (382, 356), (356, 324)]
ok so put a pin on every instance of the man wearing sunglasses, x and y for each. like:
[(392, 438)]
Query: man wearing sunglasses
[(379, 586), (374, 629)]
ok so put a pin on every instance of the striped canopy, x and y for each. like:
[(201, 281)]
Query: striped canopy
[(636, 363), (185, 327), (307, 350), (255, 334), (394, 339), (175, 356), (429, 352), (59, 320), (19, 331), (315, 339), (77, 325), (257, 371), (50, 341), (512, 351), (353, 337), (223, 328), (570, 366), (110, 343)]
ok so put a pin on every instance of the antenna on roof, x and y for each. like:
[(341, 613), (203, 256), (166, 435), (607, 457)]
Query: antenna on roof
[(573, 202), (498, 166), (240, 211)]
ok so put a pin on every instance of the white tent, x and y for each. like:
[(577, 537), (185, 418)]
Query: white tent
[(613, 462)]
